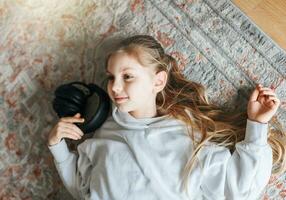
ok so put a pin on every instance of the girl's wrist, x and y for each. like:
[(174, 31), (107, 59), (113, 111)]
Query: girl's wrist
[(258, 121), (52, 142)]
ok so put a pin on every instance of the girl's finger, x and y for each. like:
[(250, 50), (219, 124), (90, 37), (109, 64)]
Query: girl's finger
[(265, 88), (71, 127), (254, 95), (72, 119), (71, 131), (275, 99), (267, 92), (69, 135), (67, 130)]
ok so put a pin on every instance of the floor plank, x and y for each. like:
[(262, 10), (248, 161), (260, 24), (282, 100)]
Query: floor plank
[(269, 15)]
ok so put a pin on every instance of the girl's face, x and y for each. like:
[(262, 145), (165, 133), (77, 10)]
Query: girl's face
[(131, 86)]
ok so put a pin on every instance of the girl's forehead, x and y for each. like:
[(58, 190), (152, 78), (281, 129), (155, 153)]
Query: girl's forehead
[(122, 61)]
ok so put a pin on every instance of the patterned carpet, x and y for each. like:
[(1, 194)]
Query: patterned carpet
[(47, 43)]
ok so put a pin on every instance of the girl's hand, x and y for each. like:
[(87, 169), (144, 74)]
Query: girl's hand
[(262, 105), (66, 129)]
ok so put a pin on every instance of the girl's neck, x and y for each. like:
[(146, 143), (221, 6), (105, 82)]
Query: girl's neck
[(147, 113)]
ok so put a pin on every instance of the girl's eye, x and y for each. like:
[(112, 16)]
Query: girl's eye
[(126, 76)]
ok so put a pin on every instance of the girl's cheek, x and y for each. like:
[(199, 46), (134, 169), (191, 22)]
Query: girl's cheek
[(131, 88), (137, 89)]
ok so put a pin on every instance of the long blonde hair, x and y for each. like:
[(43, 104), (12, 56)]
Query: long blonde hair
[(186, 100)]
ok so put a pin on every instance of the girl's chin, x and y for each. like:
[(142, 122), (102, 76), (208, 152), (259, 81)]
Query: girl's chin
[(122, 107), (124, 110)]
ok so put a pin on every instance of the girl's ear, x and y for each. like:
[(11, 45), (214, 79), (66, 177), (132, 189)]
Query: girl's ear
[(160, 81)]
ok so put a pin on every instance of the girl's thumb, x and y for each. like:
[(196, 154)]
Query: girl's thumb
[(77, 115)]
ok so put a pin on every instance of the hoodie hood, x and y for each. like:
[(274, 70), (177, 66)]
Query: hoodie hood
[(126, 120)]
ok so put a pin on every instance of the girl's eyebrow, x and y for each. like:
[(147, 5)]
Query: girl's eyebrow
[(125, 69)]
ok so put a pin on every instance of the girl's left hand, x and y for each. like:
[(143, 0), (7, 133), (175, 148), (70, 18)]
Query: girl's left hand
[(262, 105)]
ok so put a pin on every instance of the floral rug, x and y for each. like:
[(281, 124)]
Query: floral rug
[(44, 44)]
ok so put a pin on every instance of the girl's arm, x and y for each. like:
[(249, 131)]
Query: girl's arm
[(245, 173), (241, 175), (73, 172), (249, 167)]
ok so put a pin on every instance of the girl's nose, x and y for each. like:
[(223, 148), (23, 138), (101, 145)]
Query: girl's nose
[(117, 87)]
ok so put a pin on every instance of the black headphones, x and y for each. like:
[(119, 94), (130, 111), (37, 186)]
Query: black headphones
[(92, 102)]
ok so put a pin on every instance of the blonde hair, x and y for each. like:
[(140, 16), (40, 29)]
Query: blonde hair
[(186, 100)]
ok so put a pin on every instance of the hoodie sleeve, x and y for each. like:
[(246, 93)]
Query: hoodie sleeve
[(73, 171), (241, 175)]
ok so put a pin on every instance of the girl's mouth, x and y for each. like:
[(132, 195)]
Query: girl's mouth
[(121, 99)]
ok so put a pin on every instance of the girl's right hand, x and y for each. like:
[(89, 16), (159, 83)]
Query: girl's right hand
[(66, 129), (263, 104)]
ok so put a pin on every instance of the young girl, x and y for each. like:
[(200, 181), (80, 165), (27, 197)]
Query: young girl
[(164, 139)]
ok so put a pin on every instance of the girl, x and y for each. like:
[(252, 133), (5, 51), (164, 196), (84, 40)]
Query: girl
[(164, 139)]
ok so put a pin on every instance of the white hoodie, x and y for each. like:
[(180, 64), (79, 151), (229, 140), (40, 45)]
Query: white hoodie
[(143, 159)]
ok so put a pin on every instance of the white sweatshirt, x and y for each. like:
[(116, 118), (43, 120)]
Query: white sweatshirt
[(143, 159)]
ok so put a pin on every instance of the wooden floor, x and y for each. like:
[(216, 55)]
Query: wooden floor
[(268, 15)]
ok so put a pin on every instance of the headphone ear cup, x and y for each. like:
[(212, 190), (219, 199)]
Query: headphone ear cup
[(65, 108), (70, 99), (71, 93)]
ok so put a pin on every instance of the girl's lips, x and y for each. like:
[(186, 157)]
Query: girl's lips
[(121, 99)]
